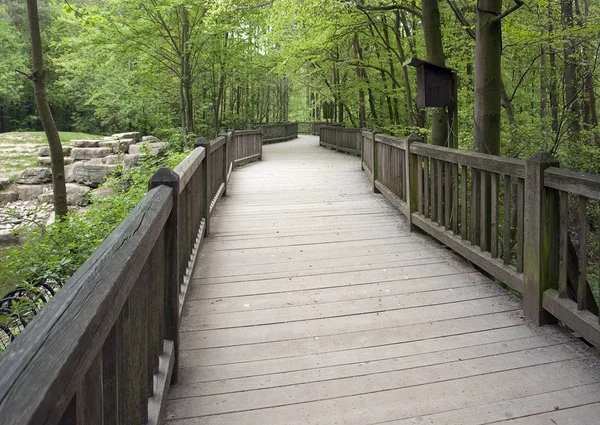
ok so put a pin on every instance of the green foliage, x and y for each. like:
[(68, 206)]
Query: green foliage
[(58, 250)]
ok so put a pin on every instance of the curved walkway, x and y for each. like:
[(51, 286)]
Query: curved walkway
[(313, 304)]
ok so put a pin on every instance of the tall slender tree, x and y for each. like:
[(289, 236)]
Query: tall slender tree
[(38, 77)]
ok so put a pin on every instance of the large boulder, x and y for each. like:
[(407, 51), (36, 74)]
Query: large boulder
[(69, 173), (151, 139), (136, 136), (76, 195), (45, 151), (9, 196), (4, 183), (127, 160), (117, 146), (155, 148), (92, 175), (45, 161), (85, 154), (32, 192), (34, 176), (85, 143)]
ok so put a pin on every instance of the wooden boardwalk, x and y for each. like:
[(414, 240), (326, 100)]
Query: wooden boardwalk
[(313, 304)]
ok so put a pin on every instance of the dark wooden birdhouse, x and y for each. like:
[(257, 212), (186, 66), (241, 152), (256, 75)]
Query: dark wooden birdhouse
[(435, 84)]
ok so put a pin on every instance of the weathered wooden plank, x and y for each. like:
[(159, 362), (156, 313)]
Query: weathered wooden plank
[(577, 183), (492, 163), (582, 254), (77, 321), (464, 230), (563, 244), (506, 230), (494, 217)]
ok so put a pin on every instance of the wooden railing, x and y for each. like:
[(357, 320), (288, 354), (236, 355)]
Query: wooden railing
[(105, 349), (316, 126), (278, 132), (507, 216), (347, 140)]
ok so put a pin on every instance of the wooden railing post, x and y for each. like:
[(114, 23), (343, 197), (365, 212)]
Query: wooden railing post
[(542, 221), (412, 178), (375, 162), (206, 186), (167, 177), (228, 138)]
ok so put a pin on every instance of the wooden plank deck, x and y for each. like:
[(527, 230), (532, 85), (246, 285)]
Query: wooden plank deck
[(313, 304)]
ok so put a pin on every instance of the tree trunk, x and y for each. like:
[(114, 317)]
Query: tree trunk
[(435, 54), (362, 114), (38, 77), (572, 105), (488, 51)]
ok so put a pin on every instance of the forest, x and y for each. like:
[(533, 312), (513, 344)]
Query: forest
[(528, 70)]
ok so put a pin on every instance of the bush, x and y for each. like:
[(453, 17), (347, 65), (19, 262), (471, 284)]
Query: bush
[(53, 253)]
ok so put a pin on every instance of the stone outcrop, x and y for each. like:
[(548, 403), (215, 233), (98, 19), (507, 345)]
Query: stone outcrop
[(33, 176), (87, 164), (92, 175)]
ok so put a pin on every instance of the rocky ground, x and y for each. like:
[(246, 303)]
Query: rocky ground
[(26, 199)]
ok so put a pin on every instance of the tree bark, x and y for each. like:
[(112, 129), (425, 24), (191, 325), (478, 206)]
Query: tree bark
[(38, 77), (435, 54), (362, 114), (572, 104), (488, 51)]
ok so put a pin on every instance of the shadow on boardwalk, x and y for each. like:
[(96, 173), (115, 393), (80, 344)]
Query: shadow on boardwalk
[(313, 304)]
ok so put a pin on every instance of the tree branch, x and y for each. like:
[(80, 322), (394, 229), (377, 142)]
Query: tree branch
[(462, 19), (517, 5), (408, 9), (28, 76)]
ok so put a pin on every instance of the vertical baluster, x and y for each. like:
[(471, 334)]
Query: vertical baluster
[(520, 223), (506, 252), (434, 210), (483, 220), (563, 244), (455, 218), (447, 195), (582, 301), (420, 184), (124, 367), (475, 198), (89, 397), (440, 191), (138, 378), (464, 180), (110, 353), (426, 181), (494, 221), (69, 417)]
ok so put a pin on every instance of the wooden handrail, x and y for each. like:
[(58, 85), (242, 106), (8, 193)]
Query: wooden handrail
[(507, 216), (105, 348)]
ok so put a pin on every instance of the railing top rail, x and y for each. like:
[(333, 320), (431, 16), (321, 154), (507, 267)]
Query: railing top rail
[(342, 129), (247, 132), (186, 168), (391, 140), (217, 143), (43, 368), (495, 164), (575, 182)]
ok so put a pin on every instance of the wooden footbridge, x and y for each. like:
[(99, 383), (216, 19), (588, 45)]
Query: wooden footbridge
[(288, 292)]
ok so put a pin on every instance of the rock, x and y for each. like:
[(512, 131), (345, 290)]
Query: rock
[(31, 193), (45, 151), (7, 239), (85, 154), (130, 161), (127, 160), (136, 136), (104, 192), (85, 143), (76, 195), (45, 161), (117, 146), (35, 176), (91, 175), (151, 139), (6, 197), (4, 183), (155, 148), (69, 173)]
